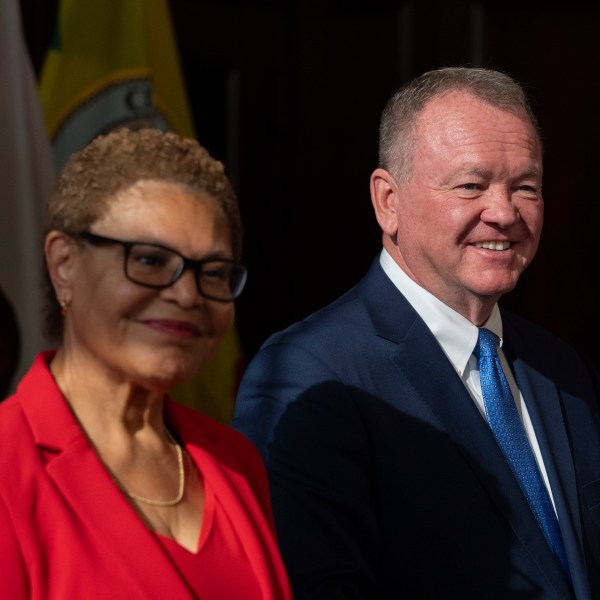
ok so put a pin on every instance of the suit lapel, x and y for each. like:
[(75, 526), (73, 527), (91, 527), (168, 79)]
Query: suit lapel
[(546, 412), (421, 362)]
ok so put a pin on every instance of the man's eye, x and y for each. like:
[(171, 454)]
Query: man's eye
[(528, 188), (469, 186)]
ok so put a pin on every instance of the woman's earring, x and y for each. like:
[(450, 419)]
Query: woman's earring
[(63, 308)]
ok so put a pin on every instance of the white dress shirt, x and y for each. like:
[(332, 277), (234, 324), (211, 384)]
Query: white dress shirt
[(458, 336)]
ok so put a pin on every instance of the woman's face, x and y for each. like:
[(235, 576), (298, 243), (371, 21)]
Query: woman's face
[(156, 338)]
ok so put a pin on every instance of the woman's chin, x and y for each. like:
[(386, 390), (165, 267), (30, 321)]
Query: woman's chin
[(164, 378)]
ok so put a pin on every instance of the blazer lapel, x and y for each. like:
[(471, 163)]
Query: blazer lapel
[(88, 489), (87, 486), (234, 492)]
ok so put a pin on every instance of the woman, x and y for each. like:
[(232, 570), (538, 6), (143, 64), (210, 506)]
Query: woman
[(108, 489)]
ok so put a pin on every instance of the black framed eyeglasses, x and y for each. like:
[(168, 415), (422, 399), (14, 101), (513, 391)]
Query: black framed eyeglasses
[(157, 266)]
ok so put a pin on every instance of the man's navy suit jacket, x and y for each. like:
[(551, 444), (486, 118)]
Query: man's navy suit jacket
[(387, 482)]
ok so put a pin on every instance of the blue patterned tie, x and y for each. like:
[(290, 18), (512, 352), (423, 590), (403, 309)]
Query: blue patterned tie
[(506, 425)]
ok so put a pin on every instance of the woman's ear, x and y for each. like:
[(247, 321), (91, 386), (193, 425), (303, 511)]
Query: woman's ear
[(60, 251), (384, 196)]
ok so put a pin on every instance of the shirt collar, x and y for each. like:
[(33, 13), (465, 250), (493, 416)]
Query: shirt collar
[(456, 335)]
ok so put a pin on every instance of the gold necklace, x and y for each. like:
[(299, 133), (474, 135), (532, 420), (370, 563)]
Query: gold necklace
[(176, 500)]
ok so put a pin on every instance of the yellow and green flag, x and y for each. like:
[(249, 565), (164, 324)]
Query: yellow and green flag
[(115, 63)]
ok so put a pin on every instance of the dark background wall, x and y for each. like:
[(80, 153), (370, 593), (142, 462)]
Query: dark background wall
[(288, 95)]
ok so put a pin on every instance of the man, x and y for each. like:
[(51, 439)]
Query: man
[(391, 474)]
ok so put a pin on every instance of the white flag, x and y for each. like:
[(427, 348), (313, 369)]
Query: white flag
[(26, 178)]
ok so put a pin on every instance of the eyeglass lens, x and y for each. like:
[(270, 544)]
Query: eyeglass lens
[(155, 266)]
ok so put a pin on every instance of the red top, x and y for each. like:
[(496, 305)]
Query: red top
[(220, 569), (66, 531)]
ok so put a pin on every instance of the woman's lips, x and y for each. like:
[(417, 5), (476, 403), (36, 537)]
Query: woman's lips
[(176, 328)]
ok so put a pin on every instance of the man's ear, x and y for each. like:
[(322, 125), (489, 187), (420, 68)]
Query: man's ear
[(384, 196), (59, 250)]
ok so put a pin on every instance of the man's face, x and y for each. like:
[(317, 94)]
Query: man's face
[(469, 220)]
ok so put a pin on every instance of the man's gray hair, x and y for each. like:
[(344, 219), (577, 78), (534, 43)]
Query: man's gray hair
[(400, 115)]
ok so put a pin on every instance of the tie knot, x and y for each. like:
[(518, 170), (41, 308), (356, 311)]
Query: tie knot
[(486, 343)]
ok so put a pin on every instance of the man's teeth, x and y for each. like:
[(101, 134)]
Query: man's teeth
[(493, 245)]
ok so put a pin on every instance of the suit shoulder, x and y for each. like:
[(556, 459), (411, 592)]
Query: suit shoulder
[(343, 314), (545, 350), (534, 335)]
